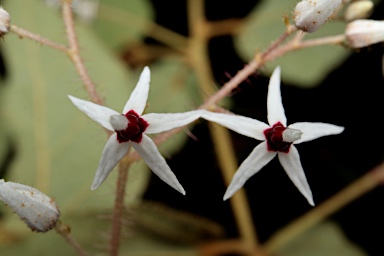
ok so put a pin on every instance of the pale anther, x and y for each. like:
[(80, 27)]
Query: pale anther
[(291, 135), (119, 122)]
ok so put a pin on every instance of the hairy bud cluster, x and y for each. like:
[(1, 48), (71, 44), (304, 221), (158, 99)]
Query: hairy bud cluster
[(309, 15), (362, 33), (35, 208)]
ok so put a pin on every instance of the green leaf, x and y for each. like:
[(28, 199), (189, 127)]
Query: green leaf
[(120, 22), (58, 146), (325, 238)]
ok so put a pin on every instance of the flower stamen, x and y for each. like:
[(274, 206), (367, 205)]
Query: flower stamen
[(129, 126), (274, 138), (291, 135), (119, 122)]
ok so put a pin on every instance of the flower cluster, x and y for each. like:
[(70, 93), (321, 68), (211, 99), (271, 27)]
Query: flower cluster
[(360, 32), (131, 128)]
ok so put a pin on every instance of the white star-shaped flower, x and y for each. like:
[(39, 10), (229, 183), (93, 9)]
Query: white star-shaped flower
[(131, 129), (278, 139)]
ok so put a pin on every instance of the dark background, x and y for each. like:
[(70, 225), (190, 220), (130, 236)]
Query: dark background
[(350, 96)]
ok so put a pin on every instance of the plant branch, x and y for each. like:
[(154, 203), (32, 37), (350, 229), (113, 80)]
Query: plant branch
[(243, 74), (353, 191), (65, 232), (288, 31), (22, 33), (239, 203), (271, 53), (118, 209), (297, 45), (223, 27), (74, 52), (228, 247), (198, 53)]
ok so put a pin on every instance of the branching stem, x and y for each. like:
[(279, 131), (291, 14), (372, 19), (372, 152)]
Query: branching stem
[(201, 30), (347, 195), (65, 232), (118, 209), (22, 33), (74, 52)]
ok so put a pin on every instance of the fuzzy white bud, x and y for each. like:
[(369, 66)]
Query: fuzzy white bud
[(36, 209), (309, 15), (119, 122), (290, 135), (358, 10), (362, 33), (5, 20)]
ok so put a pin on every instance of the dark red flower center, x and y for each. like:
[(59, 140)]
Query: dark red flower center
[(134, 131), (274, 136)]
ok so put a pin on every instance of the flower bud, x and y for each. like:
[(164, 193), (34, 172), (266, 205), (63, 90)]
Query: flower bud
[(35, 208), (361, 33), (4, 21), (309, 15), (358, 10)]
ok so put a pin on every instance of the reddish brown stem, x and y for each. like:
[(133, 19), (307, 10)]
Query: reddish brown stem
[(35, 37), (74, 52), (65, 231), (118, 209)]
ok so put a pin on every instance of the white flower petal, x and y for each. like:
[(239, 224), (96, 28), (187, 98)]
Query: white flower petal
[(113, 152), (164, 122), (138, 99), (313, 131), (259, 157), (98, 113), (292, 166), (274, 102), (156, 162), (240, 124)]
